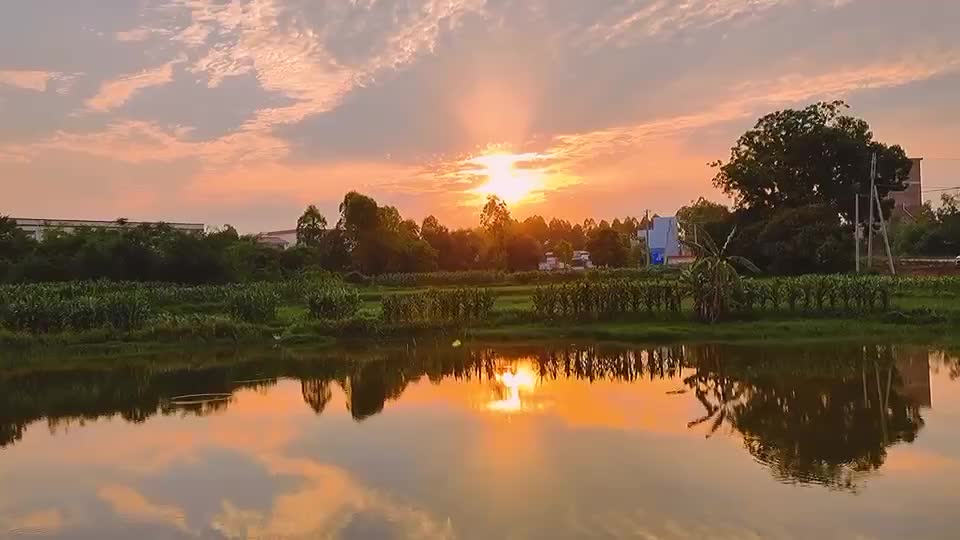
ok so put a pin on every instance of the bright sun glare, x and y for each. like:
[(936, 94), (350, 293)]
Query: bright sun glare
[(521, 378), (504, 179)]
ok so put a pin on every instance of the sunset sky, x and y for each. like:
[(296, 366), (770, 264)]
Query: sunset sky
[(245, 111)]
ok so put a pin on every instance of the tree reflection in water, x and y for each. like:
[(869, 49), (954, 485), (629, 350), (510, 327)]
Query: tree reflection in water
[(812, 415)]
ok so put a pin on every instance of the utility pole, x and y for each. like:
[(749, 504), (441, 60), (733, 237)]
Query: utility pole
[(883, 228), (873, 185), (856, 226)]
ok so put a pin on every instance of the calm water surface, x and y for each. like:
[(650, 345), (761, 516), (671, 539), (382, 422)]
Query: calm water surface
[(488, 443)]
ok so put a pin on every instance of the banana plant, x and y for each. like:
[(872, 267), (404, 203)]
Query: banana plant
[(713, 278)]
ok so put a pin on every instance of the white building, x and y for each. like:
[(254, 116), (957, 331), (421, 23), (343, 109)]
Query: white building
[(581, 261), (279, 239), (38, 227)]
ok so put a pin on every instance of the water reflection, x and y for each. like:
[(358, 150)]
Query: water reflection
[(510, 382), (824, 415)]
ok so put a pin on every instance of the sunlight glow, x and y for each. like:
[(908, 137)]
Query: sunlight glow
[(521, 378), (505, 180)]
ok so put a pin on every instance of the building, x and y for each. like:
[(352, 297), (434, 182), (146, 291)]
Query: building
[(664, 239), (581, 261), (36, 227), (280, 239), (909, 201)]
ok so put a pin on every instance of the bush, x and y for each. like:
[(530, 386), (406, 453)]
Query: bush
[(333, 302), (253, 304)]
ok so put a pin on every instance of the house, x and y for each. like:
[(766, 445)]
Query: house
[(279, 239), (909, 202), (37, 227), (581, 261), (663, 237)]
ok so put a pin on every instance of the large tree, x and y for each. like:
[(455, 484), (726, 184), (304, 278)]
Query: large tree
[(608, 247), (310, 227), (704, 215), (813, 156)]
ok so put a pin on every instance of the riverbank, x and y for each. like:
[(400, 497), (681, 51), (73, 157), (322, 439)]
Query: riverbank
[(320, 335), (925, 312)]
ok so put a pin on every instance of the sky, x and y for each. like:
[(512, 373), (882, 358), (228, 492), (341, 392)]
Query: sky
[(243, 112)]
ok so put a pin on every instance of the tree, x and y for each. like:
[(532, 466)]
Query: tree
[(564, 252), (537, 227), (310, 227), (495, 216), (359, 215), (523, 252), (702, 214), (608, 247), (931, 232), (713, 277), (466, 250), (14, 242), (813, 156), (335, 251), (806, 240)]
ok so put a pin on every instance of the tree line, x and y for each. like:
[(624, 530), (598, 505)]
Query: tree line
[(793, 179), (367, 238)]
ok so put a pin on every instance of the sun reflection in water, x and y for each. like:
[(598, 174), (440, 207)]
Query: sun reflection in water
[(512, 381)]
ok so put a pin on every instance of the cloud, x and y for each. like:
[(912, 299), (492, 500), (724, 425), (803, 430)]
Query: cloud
[(116, 92), (129, 503), (28, 80)]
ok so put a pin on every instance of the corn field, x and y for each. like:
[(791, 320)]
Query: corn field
[(474, 278), (253, 304), (459, 305), (44, 314), (607, 299), (333, 302)]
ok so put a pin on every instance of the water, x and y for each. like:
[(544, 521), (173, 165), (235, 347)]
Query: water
[(485, 443)]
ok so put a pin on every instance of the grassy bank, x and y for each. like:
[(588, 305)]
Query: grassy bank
[(926, 311)]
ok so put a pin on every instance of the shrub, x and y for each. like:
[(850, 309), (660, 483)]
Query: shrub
[(333, 302), (253, 304)]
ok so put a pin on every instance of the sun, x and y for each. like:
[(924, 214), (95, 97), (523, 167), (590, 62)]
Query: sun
[(504, 179)]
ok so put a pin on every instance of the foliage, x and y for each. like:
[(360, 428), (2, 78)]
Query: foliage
[(803, 240), (48, 313), (705, 215), (608, 248), (253, 304), (310, 227), (813, 156), (814, 295), (333, 301), (462, 305), (497, 277), (713, 278), (607, 299), (931, 232), (564, 252), (523, 252)]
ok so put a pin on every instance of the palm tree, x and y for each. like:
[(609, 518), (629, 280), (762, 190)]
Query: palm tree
[(714, 277)]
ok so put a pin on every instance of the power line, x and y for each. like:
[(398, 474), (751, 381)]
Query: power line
[(939, 189), (941, 159)]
